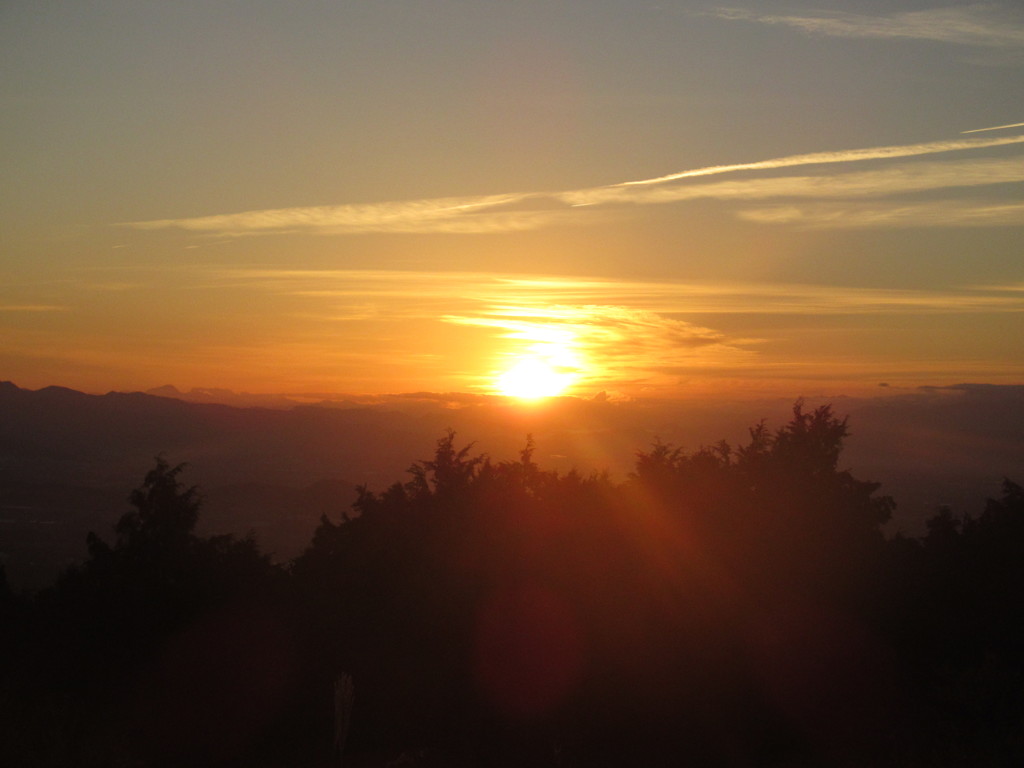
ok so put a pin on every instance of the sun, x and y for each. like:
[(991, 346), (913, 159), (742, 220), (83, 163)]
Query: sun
[(533, 378)]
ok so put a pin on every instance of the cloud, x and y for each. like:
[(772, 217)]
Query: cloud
[(464, 328), (32, 308), (1008, 287), (899, 179), (843, 156), (455, 214), (597, 344), (980, 25), (994, 128), (374, 328), (947, 213), (531, 210), (500, 301)]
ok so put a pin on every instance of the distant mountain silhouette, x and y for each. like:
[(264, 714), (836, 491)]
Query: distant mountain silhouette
[(228, 397), (928, 448), (66, 458)]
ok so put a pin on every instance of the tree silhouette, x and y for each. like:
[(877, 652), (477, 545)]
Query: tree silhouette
[(729, 605), (170, 635), (681, 568), (165, 511)]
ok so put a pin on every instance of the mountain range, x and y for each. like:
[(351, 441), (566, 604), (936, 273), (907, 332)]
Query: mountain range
[(68, 460)]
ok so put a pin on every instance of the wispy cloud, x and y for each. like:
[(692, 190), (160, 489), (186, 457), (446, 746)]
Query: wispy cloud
[(496, 299), (1008, 287), (893, 152), (899, 179), (995, 128), (980, 25), (629, 342), (947, 213), (531, 210), (603, 332), (32, 308), (479, 214), (457, 330)]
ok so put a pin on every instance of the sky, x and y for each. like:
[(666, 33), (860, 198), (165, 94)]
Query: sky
[(663, 199)]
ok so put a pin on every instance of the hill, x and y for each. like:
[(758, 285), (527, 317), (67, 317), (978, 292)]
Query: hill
[(67, 459)]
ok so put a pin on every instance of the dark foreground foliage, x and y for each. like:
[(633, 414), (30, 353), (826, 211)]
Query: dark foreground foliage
[(732, 606)]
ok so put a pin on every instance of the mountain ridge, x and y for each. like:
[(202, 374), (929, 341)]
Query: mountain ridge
[(940, 446)]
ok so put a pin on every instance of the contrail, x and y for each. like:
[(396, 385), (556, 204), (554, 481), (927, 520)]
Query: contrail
[(995, 128), (845, 156), (499, 212)]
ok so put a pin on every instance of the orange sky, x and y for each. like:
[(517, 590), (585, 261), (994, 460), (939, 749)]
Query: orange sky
[(422, 196)]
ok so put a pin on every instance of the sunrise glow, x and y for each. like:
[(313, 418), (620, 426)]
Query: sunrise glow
[(526, 226), (530, 331), (533, 378)]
